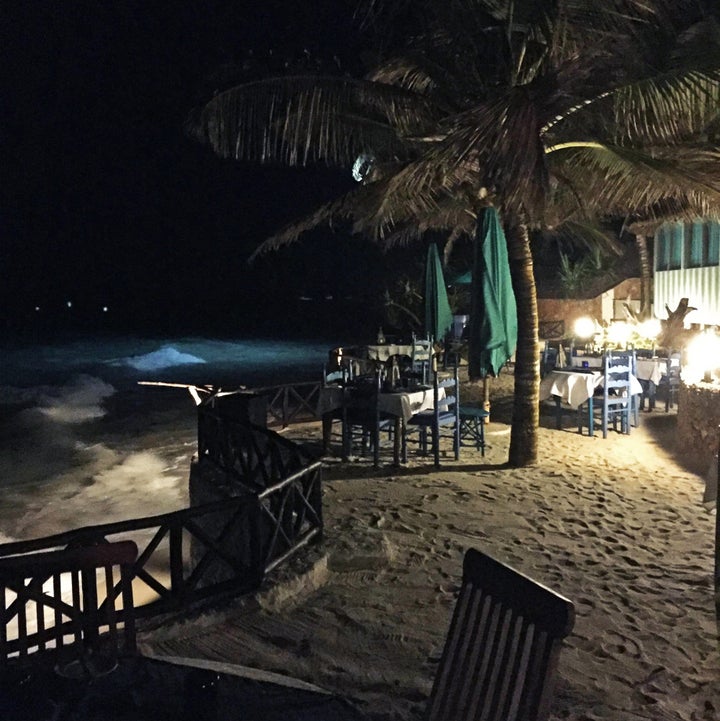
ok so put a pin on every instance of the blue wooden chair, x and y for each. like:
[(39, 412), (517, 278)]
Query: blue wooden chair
[(617, 402), (421, 357), (671, 380), (362, 421), (472, 426), (636, 399), (442, 420)]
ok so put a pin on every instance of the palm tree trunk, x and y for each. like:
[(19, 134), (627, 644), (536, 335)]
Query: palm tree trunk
[(526, 404), (645, 276)]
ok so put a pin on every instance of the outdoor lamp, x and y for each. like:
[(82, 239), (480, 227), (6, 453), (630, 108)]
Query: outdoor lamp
[(619, 333), (650, 328), (703, 357), (584, 327)]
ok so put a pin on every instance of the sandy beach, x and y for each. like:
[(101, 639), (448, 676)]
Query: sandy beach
[(616, 525)]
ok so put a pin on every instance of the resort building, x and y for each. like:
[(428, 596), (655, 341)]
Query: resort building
[(687, 265)]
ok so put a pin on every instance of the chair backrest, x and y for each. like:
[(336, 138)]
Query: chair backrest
[(339, 375), (555, 355), (67, 603), (451, 385), (421, 356), (617, 368), (502, 649), (446, 411), (673, 367)]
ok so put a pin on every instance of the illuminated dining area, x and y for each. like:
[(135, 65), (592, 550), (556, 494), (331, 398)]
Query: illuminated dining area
[(607, 374), (611, 373), (390, 395)]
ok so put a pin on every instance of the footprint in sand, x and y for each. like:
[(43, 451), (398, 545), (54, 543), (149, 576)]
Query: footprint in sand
[(584, 605), (615, 644)]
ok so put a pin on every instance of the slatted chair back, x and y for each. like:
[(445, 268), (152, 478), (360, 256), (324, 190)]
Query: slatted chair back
[(328, 378), (672, 376), (362, 420), (617, 396), (553, 356), (66, 604), (447, 410), (501, 653), (636, 398), (442, 419), (421, 357)]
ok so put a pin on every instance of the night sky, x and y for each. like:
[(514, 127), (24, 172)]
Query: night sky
[(107, 202)]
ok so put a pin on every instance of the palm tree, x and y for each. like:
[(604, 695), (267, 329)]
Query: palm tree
[(555, 113)]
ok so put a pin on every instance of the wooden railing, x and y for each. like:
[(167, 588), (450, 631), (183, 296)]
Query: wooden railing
[(207, 551), (291, 402), (248, 455), (270, 506)]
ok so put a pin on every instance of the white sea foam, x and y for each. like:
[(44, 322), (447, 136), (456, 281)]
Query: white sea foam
[(165, 357), (77, 402)]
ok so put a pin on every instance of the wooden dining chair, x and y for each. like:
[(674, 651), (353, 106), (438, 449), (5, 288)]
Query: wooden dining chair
[(442, 420), (362, 420), (421, 357), (73, 606), (501, 653), (672, 379), (617, 401), (472, 426)]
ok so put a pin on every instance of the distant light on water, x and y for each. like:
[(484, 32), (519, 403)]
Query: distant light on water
[(105, 309)]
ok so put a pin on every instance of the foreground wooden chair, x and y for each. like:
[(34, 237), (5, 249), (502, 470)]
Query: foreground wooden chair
[(72, 608), (501, 652)]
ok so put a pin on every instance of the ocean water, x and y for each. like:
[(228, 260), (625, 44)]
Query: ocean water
[(83, 442)]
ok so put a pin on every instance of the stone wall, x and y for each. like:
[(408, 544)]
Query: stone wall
[(567, 311), (697, 424)]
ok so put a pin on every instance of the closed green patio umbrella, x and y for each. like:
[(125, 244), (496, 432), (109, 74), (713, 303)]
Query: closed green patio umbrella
[(493, 313), (438, 316)]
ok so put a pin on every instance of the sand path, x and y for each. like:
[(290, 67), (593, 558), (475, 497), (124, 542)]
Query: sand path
[(616, 525)]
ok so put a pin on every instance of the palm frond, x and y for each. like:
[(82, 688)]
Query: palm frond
[(619, 180), (676, 89), (452, 218), (589, 236), (302, 120)]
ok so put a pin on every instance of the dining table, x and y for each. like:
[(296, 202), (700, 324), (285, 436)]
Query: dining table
[(651, 369), (384, 351), (400, 403), (141, 688), (574, 386)]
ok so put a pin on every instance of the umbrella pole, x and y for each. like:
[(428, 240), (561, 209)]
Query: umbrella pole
[(486, 398)]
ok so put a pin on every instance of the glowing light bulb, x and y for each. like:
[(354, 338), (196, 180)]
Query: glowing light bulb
[(584, 327)]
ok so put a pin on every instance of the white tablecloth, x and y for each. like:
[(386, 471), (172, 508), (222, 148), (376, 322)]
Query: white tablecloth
[(574, 388), (403, 405), (651, 369), (387, 350)]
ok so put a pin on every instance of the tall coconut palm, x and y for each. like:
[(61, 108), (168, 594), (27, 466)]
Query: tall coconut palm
[(552, 112)]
